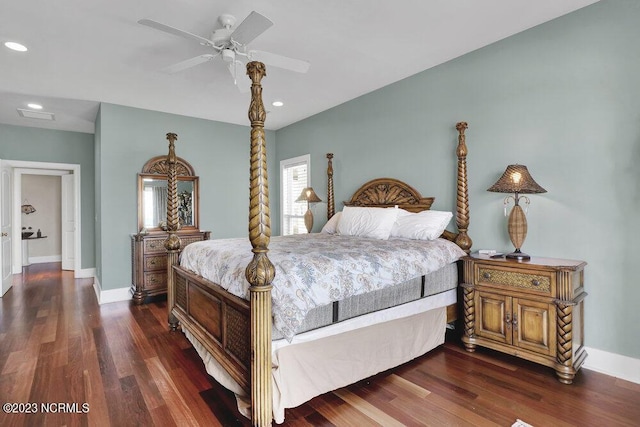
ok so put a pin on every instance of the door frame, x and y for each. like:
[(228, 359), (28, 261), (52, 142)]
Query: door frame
[(6, 215), (44, 168)]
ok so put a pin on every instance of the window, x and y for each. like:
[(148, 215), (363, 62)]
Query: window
[(294, 177)]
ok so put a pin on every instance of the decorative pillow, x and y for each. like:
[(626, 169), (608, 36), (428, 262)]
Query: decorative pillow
[(425, 225), (367, 222), (331, 227)]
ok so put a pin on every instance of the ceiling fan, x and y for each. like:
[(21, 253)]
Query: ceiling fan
[(230, 44)]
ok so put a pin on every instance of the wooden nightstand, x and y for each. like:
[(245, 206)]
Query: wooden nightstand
[(531, 309)]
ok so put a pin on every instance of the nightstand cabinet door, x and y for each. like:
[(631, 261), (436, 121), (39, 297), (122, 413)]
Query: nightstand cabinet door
[(493, 317), (534, 326)]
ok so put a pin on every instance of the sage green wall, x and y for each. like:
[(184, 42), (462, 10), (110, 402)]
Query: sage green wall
[(55, 146), (562, 98), (128, 137)]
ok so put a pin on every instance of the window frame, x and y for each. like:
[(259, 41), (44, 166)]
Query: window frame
[(284, 164)]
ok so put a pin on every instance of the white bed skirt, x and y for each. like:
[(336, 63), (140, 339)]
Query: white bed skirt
[(329, 358)]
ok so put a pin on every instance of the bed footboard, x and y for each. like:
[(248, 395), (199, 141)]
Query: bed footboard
[(218, 319)]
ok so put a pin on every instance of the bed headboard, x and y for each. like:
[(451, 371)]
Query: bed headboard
[(390, 192), (387, 193)]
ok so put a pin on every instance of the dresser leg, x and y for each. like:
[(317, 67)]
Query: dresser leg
[(138, 298)]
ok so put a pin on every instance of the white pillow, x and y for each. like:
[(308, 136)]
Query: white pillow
[(331, 227), (367, 222), (425, 225)]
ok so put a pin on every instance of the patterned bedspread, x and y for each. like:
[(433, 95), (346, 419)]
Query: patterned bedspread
[(316, 269)]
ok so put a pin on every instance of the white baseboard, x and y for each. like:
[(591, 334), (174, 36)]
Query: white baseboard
[(110, 295), (615, 365), (43, 259), (85, 273)]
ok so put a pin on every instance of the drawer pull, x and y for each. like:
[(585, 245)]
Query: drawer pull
[(486, 275), (535, 282), (514, 322)]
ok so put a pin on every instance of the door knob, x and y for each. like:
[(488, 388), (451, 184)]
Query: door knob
[(5, 234)]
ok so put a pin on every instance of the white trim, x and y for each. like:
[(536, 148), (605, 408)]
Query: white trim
[(43, 259), (615, 365), (85, 273), (305, 158), (44, 168), (110, 295)]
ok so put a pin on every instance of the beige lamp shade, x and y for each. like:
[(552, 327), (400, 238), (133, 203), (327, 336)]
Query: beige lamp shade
[(517, 179), (309, 196), (27, 209)]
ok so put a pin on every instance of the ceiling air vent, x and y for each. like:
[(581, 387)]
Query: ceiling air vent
[(31, 114)]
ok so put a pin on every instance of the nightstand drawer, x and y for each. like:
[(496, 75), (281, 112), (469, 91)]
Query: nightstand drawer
[(536, 281)]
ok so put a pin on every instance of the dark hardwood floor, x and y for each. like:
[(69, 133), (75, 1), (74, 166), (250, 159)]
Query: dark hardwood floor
[(59, 350)]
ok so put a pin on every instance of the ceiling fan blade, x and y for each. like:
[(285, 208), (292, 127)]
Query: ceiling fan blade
[(192, 62), (238, 72), (177, 32), (252, 26), (297, 65)]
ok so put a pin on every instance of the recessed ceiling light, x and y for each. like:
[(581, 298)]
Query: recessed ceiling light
[(16, 46), (277, 103), (35, 106)]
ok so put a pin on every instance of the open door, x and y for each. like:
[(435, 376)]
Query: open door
[(68, 222), (5, 226)]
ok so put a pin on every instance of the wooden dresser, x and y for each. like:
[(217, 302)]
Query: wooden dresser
[(149, 262), (531, 309)]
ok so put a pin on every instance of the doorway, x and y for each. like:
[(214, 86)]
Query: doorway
[(71, 230)]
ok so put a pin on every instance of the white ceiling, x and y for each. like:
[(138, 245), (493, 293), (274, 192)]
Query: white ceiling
[(82, 52)]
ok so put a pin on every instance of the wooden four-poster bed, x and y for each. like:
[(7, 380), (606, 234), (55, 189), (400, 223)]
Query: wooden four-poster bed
[(233, 334)]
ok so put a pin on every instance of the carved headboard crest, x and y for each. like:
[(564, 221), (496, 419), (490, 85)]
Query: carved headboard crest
[(158, 165), (388, 192)]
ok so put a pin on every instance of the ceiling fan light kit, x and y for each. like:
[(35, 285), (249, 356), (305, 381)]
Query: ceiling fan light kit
[(231, 43)]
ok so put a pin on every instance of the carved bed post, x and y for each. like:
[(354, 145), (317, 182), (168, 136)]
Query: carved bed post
[(172, 243), (331, 205), (260, 271), (462, 201)]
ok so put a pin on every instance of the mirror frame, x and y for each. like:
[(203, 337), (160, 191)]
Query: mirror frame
[(157, 168)]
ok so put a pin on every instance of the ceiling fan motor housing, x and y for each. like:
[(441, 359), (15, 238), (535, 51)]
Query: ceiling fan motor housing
[(221, 37), (228, 55)]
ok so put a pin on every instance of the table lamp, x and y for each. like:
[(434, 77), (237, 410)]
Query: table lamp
[(309, 196), (516, 179)]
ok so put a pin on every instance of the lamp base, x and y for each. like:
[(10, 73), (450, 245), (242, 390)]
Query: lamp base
[(520, 256), (308, 220)]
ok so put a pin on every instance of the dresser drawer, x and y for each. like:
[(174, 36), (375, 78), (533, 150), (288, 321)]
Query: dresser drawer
[(190, 239), (155, 262), (540, 282), (155, 280), (154, 245)]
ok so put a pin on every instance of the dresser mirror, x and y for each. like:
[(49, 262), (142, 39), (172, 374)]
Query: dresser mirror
[(152, 196)]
